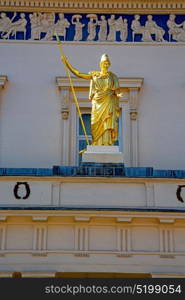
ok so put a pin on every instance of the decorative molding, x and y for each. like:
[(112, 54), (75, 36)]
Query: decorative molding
[(37, 274), (5, 274), (133, 101), (86, 43), (133, 110), (127, 82), (124, 255), (81, 254), (65, 114), (63, 82), (89, 252), (133, 115), (21, 190), (123, 240), (3, 81), (167, 275), (76, 179), (81, 238), (82, 219), (167, 221), (64, 95), (95, 5), (150, 214), (2, 238), (40, 218), (125, 220), (167, 256), (166, 239), (39, 253), (40, 239)]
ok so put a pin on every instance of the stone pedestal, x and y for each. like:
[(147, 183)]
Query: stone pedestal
[(102, 154)]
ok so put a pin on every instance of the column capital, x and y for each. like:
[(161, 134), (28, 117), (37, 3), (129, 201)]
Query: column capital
[(3, 81), (63, 85), (131, 83)]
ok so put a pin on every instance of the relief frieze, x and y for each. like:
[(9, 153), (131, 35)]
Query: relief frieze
[(92, 27)]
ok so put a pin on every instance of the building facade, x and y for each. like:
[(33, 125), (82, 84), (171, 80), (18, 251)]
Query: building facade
[(59, 218)]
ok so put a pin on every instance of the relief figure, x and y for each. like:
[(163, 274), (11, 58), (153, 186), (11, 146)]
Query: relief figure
[(5, 22), (61, 26), (112, 29), (35, 26), (17, 26), (153, 28), (92, 26), (122, 26), (137, 28), (78, 27), (176, 31), (102, 34)]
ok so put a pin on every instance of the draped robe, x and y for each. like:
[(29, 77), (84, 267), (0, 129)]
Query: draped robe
[(105, 108)]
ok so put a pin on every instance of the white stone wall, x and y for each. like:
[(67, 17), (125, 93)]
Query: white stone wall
[(93, 192), (30, 106)]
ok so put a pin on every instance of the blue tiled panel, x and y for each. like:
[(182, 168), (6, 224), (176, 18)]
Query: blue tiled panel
[(92, 170), (169, 173), (64, 170), (25, 172), (106, 170), (44, 172), (139, 172)]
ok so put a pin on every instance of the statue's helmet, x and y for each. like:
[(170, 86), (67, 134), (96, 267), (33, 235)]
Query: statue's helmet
[(104, 58)]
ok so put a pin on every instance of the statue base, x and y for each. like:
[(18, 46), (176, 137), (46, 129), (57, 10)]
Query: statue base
[(102, 154)]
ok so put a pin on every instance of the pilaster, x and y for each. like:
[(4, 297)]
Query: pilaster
[(81, 238), (64, 94)]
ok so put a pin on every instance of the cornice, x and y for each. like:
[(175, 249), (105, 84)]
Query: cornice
[(62, 82), (126, 215), (116, 6), (107, 180), (96, 43)]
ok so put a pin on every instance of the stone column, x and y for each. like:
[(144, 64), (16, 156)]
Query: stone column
[(126, 133), (130, 88), (64, 94), (65, 125), (133, 101)]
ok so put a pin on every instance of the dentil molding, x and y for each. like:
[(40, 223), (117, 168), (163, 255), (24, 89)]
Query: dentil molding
[(119, 6)]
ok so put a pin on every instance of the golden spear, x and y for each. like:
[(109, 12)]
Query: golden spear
[(73, 91)]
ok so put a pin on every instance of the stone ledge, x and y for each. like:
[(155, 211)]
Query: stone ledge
[(102, 154)]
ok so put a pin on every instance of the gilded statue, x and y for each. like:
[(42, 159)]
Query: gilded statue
[(104, 93)]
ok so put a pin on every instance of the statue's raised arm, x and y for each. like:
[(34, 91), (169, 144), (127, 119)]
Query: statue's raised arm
[(73, 70)]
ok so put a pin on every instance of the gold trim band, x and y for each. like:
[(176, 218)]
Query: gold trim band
[(118, 6)]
